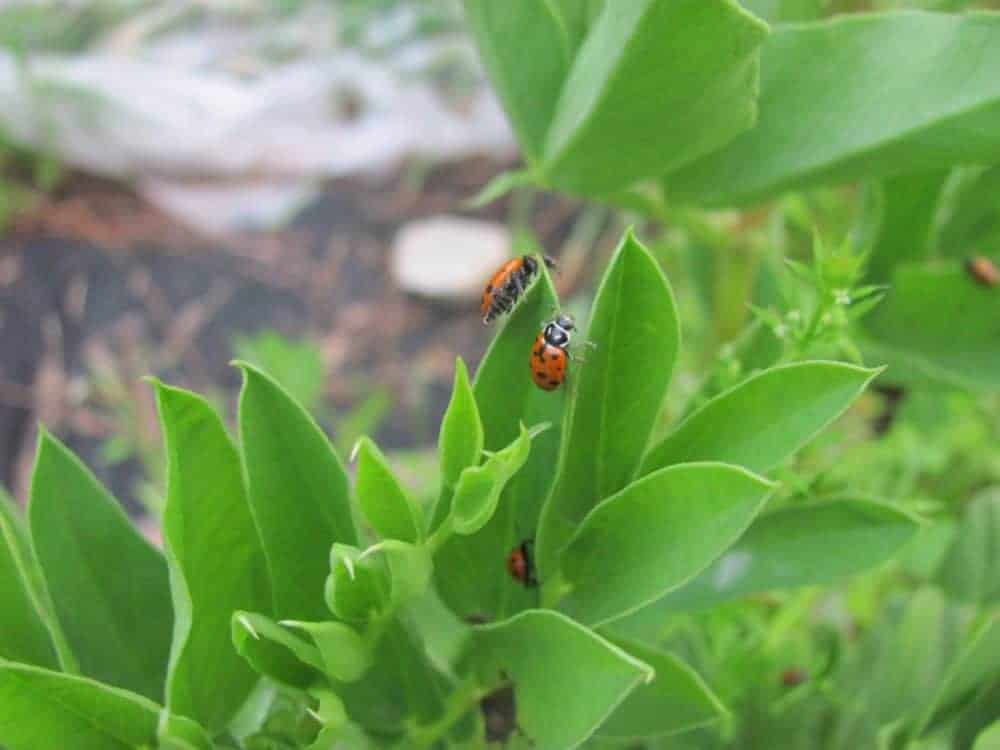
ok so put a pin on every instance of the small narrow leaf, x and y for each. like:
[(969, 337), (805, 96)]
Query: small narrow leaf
[(618, 392), (567, 680), (109, 586), (654, 535), (677, 700), (344, 653), (796, 546), (989, 738), (43, 709), (356, 587), (382, 498), (274, 651), (216, 561), (479, 487), (298, 493), (460, 444), (765, 419)]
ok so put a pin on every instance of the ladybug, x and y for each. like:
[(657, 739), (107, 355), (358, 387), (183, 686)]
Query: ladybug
[(508, 284), (549, 353), (521, 564), (982, 270)]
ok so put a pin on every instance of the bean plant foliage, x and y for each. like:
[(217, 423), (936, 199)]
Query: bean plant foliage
[(282, 587)]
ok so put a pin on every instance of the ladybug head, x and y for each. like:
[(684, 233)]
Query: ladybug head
[(565, 322), (529, 264)]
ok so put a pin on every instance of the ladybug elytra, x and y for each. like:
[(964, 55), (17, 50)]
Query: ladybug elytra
[(550, 353), (507, 285), (521, 564), (982, 270)]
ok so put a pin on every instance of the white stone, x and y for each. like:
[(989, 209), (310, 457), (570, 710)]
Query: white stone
[(448, 258)]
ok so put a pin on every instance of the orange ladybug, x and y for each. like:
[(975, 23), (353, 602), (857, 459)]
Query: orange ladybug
[(982, 270), (521, 565), (507, 285), (549, 353)]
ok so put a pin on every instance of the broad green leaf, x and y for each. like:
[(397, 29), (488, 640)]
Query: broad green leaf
[(460, 444), (108, 585), (478, 490), (42, 709), (216, 561), (796, 546), (298, 493), (765, 419), (655, 85), (655, 535), (618, 393), (989, 739), (677, 700), (345, 655), (971, 568), (567, 680), (577, 17), (274, 651), (860, 96), (953, 340), (775, 11), (900, 220), (469, 570), (356, 587), (24, 617), (525, 50), (382, 498)]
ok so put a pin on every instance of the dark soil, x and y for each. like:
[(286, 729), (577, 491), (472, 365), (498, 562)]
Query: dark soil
[(93, 280)]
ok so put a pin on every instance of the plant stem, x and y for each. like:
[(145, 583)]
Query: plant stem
[(461, 701)]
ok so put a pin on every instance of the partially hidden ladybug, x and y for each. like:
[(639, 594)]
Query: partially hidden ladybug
[(983, 270), (521, 564), (549, 354), (507, 285)]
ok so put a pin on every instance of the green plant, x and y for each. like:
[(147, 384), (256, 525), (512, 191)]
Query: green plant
[(275, 621)]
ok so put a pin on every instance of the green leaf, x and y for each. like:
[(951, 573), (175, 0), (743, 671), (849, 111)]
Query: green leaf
[(410, 568), (953, 340), (577, 17), (975, 665), (179, 733), (274, 652), (677, 700), (42, 709), (469, 570), (478, 490), (901, 220), (989, 738), (356, 587), (618, 393), (765, 419), (968, 215), (567, 680), (344, 653), (970, 569), (25, 619), (797, 546), (109, 586), (298, 493), (826, 89), (216, 561), (655, 85), (654, 535), (382, 498), (525, 51), (460, 444)]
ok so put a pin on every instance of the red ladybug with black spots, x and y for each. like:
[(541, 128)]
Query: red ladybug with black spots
[(507, 285), (550, 353), (521, 564)]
